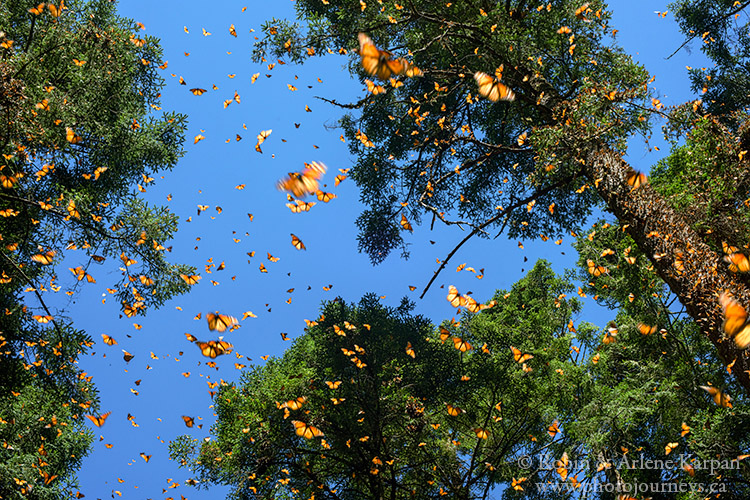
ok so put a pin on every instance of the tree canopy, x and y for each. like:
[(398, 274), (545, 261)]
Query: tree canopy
[(78, 96), (371, 402), (429, 147)]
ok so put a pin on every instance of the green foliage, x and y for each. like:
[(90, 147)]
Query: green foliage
[(443, 152), (388, 428), (725, 40), (78, 96), (642, 388), (705, 181)]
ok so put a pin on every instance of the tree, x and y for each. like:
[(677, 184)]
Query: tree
[(405, 410), (78, 89), (643, 397), (534, 167), (725, 41)]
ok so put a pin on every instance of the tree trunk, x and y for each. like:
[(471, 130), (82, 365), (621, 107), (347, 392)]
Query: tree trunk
[(659, 231)]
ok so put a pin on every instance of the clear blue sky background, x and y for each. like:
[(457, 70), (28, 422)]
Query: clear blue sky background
[(208, 174)]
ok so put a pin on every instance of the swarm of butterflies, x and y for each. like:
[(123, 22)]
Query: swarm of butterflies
[(298, 185)]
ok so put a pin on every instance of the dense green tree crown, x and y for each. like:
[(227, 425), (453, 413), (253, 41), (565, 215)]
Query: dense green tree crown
[(78, 131), (80, 134), (535, 382), (452, 155), (705, 183), (644, 389), (720, 29), (406, 410)]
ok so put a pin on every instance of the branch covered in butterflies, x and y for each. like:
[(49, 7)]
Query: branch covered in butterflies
[(502, 213)]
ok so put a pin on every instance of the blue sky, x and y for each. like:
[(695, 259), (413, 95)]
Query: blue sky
[(209, 174)]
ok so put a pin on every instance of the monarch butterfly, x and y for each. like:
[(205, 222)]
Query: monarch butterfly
[(374, 88), (562, 466), (735, 321), (305, 182), (295, 404), (214, 348), (99, 421), (333, 385), (54, 10), (454, 298), (197, 91), (679, 261), (45, 259), (444, 334), (8, 181), (729, 249), (453, 411), (71, 136), (554, 429), (646, 329), (108, 340), (127, 356), (127, 260), (410, 350), (324, 197), (610, 335), (406, 224), (297, 243), (493, 89), (220, 322), (39, 9), (517, 483), (595, 270), (670, 447), (378, 62), (738, 262), (300, 206), (685, 429), (306, 431), (719, 397), (261, 139), (481, 433), (635, 178), (48, 478), (461, 344), (190, 337), (519, 356), (189, 421)]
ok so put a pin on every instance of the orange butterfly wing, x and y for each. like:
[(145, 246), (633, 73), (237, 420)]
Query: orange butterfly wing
[(306, 431), (738, 262), (379, 62), (735, 320), (635, 179), (220, 322), (493, 89), (99, 421)]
